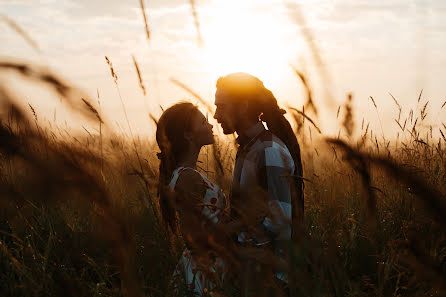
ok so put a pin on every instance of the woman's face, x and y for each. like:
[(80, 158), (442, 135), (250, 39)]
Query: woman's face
[(202, 130)]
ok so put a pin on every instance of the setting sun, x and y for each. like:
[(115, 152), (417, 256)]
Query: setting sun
[(235, 41)]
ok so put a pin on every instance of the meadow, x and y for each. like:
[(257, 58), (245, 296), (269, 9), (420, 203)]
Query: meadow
[(79, 213)]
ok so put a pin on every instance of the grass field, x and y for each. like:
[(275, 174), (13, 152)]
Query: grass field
[(79, 214)]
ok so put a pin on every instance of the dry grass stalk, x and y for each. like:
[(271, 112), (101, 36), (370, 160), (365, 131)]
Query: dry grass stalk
[(33, 111), (444, 103), (427, 193), (196, 22), (309, 103), (21, 32), (193, 93), (141, 2), (359, 164), (306, 117), (348, 122), (373, 101), (399, 125), (143, 88), (442, 135), (419, 96), (366, 131), (397, 104), (337, 113), (112, 70), (396, 101), (93, 110), (115, 78), (68, 92), (414, 130), (423, 111), (308, 36)]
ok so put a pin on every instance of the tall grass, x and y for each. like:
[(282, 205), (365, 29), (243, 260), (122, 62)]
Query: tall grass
[(78, 219)]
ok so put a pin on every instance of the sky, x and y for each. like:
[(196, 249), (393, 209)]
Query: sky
[(364, 47)]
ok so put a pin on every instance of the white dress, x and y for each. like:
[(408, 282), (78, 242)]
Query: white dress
[(214, 206)]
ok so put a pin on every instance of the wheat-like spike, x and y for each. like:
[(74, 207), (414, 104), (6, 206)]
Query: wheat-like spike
[(366, 130), (33, 111), (196, 22), (113, 74), (415, 124), (423, 111), (307, 117), (141, 2), (143, 88), (93, 110), (21, 32), (309, 102), (419, 96), (373, 101), (396, 101)]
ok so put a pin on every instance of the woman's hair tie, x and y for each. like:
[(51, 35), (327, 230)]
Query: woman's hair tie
[(160, 155)]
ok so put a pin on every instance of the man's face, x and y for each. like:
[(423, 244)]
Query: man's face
[(225, 113)]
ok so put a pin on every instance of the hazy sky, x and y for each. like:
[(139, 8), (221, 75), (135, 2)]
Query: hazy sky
[(368, 47)]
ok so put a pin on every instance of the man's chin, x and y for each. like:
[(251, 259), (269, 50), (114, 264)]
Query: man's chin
[(227, 130)]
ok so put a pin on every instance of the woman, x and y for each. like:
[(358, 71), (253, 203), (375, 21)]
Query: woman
[(190, 204)]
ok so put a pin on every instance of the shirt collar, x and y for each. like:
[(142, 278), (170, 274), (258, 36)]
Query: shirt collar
[(250, 133)]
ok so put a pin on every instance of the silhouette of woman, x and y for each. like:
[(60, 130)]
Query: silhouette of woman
[(191, 205)]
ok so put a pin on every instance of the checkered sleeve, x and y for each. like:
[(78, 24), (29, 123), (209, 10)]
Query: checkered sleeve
[(275, 167)]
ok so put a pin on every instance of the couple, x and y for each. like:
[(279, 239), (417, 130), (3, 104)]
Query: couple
[(266, 200)]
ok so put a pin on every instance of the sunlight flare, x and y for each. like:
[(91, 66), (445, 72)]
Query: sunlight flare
[(238, 41)]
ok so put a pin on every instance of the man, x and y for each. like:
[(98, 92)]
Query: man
[(267, 188)]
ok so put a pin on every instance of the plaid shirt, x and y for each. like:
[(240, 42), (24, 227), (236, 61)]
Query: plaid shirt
[(263, 162)]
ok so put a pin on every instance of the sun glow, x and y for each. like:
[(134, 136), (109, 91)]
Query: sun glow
[(243, 40)]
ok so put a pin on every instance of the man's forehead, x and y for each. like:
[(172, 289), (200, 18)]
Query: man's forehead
[(221, 96)]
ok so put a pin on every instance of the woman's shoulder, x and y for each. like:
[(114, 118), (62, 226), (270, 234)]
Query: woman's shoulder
[(189, 181)]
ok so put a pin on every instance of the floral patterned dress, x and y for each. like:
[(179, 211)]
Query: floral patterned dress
[(214, 207)]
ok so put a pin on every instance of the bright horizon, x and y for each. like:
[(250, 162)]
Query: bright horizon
[(368, 49)]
